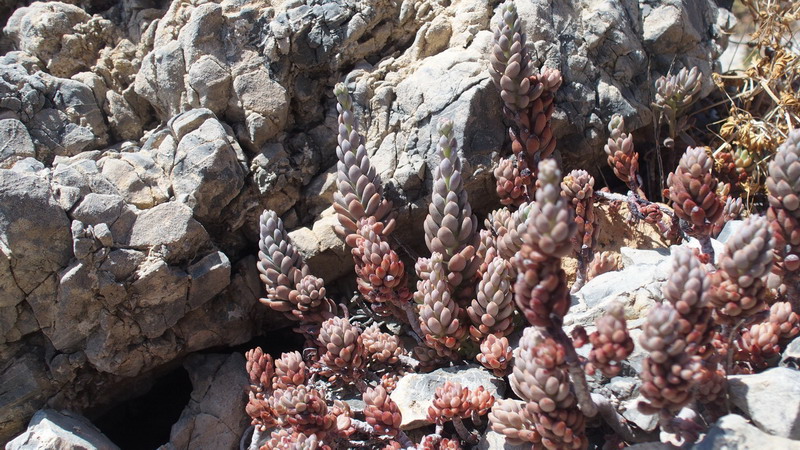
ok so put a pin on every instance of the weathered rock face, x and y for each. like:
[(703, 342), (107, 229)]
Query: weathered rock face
[(141, 144), (61, 431)]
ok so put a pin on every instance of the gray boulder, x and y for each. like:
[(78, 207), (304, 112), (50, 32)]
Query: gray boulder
[(215, 416), (733, 431), (53, 430), (771, 399)]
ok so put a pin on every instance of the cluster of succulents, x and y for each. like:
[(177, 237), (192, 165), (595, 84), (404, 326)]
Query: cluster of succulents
[(528, 102), (478, 287)]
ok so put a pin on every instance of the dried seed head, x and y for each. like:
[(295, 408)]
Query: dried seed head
[(496, 355)]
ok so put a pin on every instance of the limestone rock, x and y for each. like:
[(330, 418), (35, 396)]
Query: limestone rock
[(169, 226), (415, 391), (208, 168), (492, 440), (136, 176), (35, 240), (209, 277), (791, 355), (53, 430), (733, 431), (771, 399), (16, 143), (215, 416)]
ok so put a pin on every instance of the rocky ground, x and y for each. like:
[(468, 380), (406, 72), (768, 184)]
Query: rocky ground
[(141, 140)]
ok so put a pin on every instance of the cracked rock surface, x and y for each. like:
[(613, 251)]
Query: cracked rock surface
[(140, 142)]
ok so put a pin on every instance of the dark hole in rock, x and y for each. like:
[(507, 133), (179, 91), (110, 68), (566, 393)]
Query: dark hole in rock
[(145, 422), (274, 342)]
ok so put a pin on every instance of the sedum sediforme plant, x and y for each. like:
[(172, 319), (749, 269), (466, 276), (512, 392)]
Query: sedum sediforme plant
[(528, 100), (450, 227), (692, 190), (290, 288), (578, 188), (783, 185)]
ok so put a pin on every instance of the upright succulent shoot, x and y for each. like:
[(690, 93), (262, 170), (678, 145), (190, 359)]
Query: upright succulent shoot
[(360, 193), (450, 227)]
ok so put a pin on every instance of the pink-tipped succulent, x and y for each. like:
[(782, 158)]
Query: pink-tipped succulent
[(510, 418), (739, 286), (541, 287), (440, 316), (360, 192), (381, 411), (380, 347), (343, 352), (290, 288), (303, 409), (496, 355), (450, 227), (621, 155), (687, 289), (450, 401), (509, 59), (669, 373), (492, 310), (602, 263), (611, 343), (540, 378), (693, 191), (578, 189), (381, 274), (783, 185), (513, 179), (290, 370)]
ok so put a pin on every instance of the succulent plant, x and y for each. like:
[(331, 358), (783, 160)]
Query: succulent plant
[(513, 179), (343, 354), (481, 401), (381, 274), (509, 242), (282, 439), (290, 288), (381, 347), (781, 314), (783, 185), (451, 400), (621, 155), (496, 354), (492, 310), (540, 377), (534, 140), (739, 286), (692, 189), (669, 373), (676, 92), (290, 370), (450, 227), (611, 343), (360, 192), (541, 287), (687, 289), (260, 368), (510, 418), (303, 409), (578, 189), (381, 411), (509, 59), (439, 315), (731, 210), (603, 262)]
